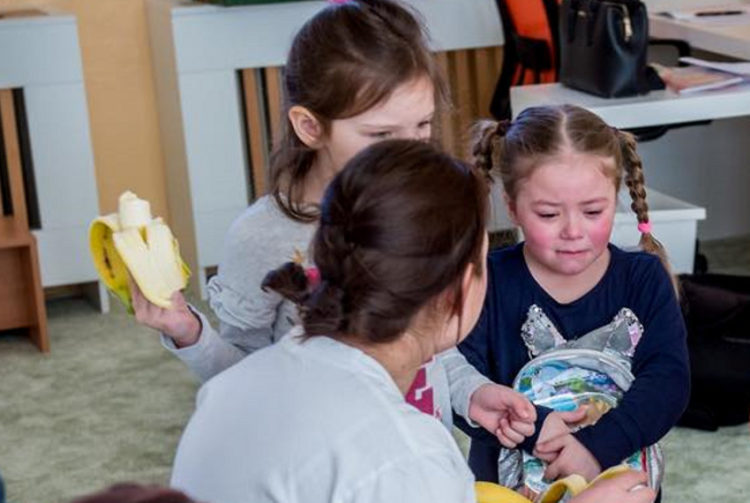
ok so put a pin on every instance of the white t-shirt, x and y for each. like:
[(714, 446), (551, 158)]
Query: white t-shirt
[(315, 422)]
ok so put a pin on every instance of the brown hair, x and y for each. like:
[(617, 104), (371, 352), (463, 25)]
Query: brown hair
[(348, 58), (398, 227), (514, 149)]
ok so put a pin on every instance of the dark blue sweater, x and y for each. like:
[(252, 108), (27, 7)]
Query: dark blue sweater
[(659, 394)]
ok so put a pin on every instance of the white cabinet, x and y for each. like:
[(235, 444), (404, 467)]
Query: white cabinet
[(40, 54)]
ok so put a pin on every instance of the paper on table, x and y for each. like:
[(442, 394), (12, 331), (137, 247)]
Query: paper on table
[(740, 68)]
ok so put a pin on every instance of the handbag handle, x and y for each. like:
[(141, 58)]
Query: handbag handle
[(578, 9)]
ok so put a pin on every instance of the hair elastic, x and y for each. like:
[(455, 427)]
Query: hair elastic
[(644, 227), (313, 276)]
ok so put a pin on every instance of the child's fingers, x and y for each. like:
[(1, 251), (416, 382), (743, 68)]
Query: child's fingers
[(504, 440), (554, 469), (547, 457), (571, 418), (521, 407), (509, 432), (552, 445), (522, 427), (632, 483)]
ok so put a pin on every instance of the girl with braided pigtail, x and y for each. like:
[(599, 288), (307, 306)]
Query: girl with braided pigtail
[(561, 168), (634, 180)]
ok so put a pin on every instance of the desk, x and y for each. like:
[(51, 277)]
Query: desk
[(730, 39), (655, 108)]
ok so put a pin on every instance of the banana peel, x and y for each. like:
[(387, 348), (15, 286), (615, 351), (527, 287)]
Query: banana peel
[(131, 242), (488, 492)]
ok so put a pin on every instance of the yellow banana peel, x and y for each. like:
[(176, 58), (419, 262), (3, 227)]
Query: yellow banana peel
[(131, 241), (488, 492)]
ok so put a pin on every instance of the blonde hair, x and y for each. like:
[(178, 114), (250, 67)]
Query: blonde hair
[(512, 150)]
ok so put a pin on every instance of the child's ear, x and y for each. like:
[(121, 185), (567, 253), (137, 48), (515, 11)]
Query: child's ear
[(510, 205), (306, 126)]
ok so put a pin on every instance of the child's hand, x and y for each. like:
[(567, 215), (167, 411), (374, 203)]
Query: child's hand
[(559, 423), (178, 322), (566, 455), (629, 487), (503, 412)]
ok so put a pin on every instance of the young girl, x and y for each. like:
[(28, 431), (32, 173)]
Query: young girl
[(561, 169), (358, 72), (320, 416)]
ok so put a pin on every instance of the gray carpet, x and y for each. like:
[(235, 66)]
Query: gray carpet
[(108, 404)]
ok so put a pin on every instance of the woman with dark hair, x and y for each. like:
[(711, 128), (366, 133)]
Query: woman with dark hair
[(321, 416)]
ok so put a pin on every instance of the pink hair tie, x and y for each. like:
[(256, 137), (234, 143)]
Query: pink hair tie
[(313, 276), (644, 227)]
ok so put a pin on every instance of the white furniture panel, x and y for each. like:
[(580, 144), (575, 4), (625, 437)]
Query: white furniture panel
[(214, 139), (257, 36), (63, 160), (39, 50), (41, 55)]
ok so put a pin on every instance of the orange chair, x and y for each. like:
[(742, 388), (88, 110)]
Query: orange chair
[(530, 55), (21, 296)]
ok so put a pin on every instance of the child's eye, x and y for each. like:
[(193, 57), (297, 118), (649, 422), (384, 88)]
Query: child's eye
[(380, 135), (547, 216), (593, 213), (425, 124)]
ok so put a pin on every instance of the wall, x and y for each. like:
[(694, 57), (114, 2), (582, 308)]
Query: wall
[(121, 97)]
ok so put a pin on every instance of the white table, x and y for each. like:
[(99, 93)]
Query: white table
[(721, 36), (656, 108)]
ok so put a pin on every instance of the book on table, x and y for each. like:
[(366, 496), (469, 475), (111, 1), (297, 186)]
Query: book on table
[(702, 75)]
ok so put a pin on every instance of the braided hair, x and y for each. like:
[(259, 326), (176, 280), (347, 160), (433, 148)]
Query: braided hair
[(398, 227)]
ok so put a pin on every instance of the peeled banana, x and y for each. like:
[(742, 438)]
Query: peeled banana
[(131, 241)]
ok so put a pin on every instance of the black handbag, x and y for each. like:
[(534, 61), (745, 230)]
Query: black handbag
[(603, 45)]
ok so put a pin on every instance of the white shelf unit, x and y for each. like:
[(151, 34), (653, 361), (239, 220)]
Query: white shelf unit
[(41, 55)]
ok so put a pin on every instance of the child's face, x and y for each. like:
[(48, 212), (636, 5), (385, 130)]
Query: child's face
[(406, 114), (566, 211)]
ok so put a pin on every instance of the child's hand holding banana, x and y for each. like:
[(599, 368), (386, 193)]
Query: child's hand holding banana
[(139, 260)]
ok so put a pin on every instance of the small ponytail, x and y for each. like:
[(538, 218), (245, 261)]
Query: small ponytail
[(635, 182), (320, 303), (488, 136), (290, 281)]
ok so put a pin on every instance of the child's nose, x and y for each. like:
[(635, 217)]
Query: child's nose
[(572, 228)]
